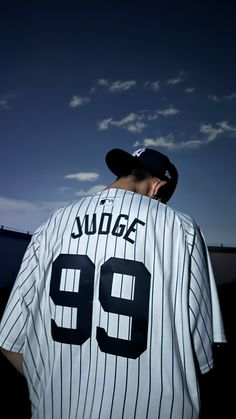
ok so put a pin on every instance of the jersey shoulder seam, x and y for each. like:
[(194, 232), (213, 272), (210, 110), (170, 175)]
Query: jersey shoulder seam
[(189, 227)]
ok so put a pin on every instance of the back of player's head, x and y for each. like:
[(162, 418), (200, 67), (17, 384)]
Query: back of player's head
[(157, 164)]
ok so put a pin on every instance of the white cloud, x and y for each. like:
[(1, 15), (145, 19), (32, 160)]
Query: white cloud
[(174, 81), (213, 132), (152, 116), (93, 90), (91, 191), (77, 101), (9, 204), (168, 112), (105, 123), (25, 215), (169, 143), (155, 85), (190, 90), (83, 176), (227, 127), (162, 141), (132, 123), (116, 86), (231, 96), (135, 122), (214, 98), (7, 98), (103, 82), (137, 127), (4, 104), (210, 133), (64, 189), (131, 117), (121, 86)]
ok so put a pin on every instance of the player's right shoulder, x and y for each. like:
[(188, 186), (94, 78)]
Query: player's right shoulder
[(56, 218)]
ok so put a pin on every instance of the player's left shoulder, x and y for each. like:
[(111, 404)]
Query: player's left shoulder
[(187, 220), (189, 225), (180, 217)]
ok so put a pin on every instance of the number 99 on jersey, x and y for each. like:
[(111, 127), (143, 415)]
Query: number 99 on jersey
[(137, 309)]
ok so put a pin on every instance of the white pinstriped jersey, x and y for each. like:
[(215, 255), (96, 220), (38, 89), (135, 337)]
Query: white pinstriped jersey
[(114, 310)]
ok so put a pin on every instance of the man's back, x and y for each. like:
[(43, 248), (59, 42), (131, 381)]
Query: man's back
[(116, 301)]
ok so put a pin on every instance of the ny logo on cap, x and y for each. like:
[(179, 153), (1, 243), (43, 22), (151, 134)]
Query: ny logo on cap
[(167, 174), (138, 152)]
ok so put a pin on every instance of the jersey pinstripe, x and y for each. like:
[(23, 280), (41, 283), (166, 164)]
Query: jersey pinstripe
[(114, 305)]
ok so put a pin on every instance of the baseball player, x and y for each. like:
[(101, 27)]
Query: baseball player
[(115, 310)]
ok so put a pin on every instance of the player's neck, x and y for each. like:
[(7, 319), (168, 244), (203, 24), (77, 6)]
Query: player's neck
[(124, 183)]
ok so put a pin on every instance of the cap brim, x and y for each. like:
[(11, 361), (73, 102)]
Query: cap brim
[(118, 161)]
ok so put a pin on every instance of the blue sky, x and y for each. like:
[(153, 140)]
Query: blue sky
[(79, 78)]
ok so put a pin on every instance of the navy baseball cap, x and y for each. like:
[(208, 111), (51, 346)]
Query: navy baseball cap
[(154, 162)]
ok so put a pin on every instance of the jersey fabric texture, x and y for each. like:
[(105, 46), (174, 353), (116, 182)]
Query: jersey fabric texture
[(115, 310)]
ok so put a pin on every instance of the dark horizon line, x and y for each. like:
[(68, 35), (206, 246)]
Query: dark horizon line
[(12, 232)]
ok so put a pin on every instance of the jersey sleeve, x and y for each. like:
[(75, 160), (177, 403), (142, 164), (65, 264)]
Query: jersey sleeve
[(204, 308), (15, 317)]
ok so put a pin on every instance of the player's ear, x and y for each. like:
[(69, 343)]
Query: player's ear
[(157, 185)]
